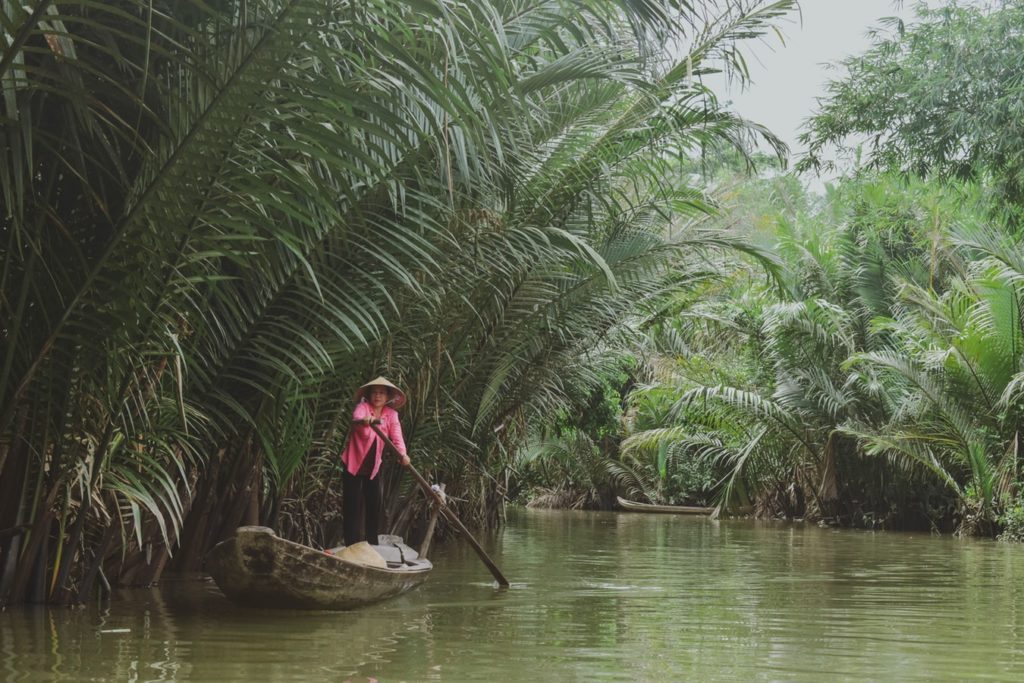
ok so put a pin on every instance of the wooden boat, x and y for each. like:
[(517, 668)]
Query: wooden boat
[(665, 509), (257, 568)]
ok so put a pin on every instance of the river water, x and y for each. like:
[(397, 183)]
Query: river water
[(595, 596)]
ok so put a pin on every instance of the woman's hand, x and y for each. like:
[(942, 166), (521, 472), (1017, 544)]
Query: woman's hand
[(404, 461), (370, 421)]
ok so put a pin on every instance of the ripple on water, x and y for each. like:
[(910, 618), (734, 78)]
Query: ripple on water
[(594, 596)]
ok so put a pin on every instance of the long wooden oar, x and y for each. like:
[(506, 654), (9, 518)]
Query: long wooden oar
[(447, 512)]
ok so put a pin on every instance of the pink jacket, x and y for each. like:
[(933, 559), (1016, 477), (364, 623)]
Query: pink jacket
[(362, 437)]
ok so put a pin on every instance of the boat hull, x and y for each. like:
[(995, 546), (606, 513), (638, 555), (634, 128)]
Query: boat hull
[(255, 568), (663, 509)]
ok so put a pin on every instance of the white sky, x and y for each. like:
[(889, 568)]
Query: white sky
[(788, 78)]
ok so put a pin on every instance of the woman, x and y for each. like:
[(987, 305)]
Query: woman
[(363, 455)]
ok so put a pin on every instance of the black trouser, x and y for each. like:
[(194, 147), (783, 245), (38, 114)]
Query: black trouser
[(360, 494)]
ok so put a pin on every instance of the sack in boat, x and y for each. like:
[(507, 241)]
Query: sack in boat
[(362, 553)]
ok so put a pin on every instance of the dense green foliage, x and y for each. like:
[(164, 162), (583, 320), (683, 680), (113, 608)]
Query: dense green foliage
[(875, 378), (942, 96), (876, 382), (219, 219)]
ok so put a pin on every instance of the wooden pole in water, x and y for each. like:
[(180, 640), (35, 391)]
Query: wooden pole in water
[(447, 512), (435, 510)]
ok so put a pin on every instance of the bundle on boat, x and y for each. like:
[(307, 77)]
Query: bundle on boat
[(257, 568)]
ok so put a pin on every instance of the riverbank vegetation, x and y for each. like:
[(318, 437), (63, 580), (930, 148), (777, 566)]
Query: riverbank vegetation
[(220, 219), (874, 379)]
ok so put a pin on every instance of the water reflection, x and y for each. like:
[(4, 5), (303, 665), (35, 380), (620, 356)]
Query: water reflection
[(594, 596)]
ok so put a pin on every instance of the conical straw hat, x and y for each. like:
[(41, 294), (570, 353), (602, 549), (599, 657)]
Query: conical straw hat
[(397, 395), (362, 553)]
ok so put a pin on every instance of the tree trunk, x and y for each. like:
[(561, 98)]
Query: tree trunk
[(194, 531), (85, 589), (252, 513), (13, 495), (37, 537)]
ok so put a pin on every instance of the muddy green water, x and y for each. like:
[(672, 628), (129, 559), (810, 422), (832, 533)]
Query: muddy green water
[(595, 596)]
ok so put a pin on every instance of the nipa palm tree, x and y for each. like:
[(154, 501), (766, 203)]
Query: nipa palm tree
[(220, 214)]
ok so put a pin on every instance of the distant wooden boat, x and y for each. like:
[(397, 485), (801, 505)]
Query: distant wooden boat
[(257, 568), (664, 509)]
